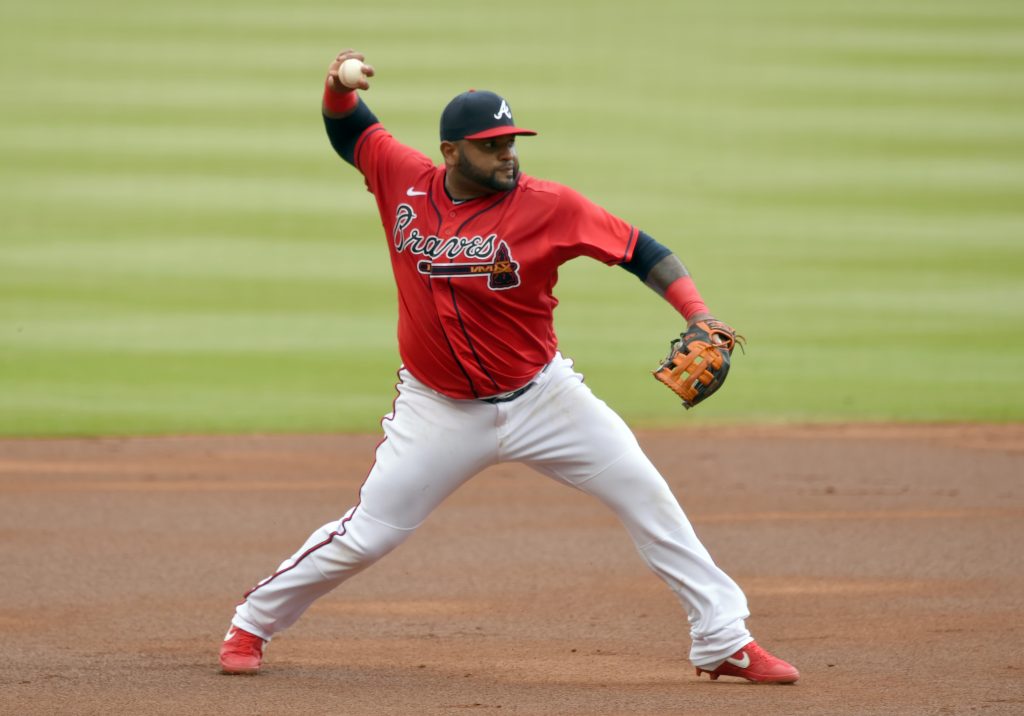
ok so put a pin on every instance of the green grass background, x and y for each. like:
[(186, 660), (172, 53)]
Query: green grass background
[(181, 251)]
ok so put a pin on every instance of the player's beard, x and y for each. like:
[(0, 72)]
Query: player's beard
[(491, 180)]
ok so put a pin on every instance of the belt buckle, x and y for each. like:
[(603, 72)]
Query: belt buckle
[(509, 396), (513, 394)]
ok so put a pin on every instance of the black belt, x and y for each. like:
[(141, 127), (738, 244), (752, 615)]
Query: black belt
[(506, 397)]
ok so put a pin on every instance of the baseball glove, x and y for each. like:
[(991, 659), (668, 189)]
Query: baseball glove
[(697, 364)]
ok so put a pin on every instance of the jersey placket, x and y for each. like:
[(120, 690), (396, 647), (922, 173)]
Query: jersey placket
[(454, 221), (445, 304)]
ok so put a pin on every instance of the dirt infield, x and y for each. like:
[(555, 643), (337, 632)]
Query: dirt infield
[(886, 563)]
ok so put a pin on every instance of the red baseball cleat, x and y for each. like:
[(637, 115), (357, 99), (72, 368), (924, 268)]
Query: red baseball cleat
[(241, 652), (755, 664)]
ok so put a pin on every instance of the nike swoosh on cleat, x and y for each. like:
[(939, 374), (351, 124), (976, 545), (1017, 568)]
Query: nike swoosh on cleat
[(741, 663), (231, 633), (412, 192)]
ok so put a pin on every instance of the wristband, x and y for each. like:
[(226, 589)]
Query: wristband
[(339, 102), (685, 298)]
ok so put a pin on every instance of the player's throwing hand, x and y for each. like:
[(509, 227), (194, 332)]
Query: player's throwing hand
[(336, 83)]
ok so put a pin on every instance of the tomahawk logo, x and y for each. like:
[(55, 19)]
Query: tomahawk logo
[(504, 111), (501, 272)]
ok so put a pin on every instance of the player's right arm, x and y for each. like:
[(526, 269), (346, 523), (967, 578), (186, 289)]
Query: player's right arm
[(346, 116)]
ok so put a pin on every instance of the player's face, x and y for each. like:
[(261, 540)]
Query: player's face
[(492, 164)]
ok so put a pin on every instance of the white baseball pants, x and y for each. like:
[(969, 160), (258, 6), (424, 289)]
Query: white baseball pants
[(434, 444)]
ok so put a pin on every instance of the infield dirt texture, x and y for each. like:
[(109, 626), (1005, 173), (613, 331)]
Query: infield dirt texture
[(885, 563), (182, 254)]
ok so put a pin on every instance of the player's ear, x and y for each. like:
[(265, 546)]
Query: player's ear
[(450, 152)]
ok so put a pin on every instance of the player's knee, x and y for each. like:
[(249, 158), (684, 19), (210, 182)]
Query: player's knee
[(376, 543), (363, 542)]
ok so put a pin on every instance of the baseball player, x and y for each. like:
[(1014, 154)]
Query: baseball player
[(475, 247)]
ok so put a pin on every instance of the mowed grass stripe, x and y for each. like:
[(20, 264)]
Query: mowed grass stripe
[(169, 143), (202, 257), (162, 392), (251, 333), (147, 188)]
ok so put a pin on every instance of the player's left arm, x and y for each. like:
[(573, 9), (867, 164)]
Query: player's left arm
[(665, 274), (606, 237)]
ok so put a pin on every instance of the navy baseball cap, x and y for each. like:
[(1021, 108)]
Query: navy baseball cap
[(478, 115)]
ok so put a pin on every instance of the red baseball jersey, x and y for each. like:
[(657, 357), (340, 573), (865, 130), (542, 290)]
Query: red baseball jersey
[(475, 278)]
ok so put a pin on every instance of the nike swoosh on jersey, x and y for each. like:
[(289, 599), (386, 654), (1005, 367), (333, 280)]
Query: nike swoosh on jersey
[(741, 663), (412, 192)]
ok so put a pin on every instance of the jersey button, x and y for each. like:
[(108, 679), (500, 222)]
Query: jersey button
[(451, 214)]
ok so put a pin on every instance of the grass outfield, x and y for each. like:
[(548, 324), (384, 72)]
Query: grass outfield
[(181, 251)]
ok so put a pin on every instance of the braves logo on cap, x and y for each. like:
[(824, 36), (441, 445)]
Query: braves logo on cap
[(504, 111), (471, 115)]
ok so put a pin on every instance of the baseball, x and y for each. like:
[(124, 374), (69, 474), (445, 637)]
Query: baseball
[(351, 72)]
